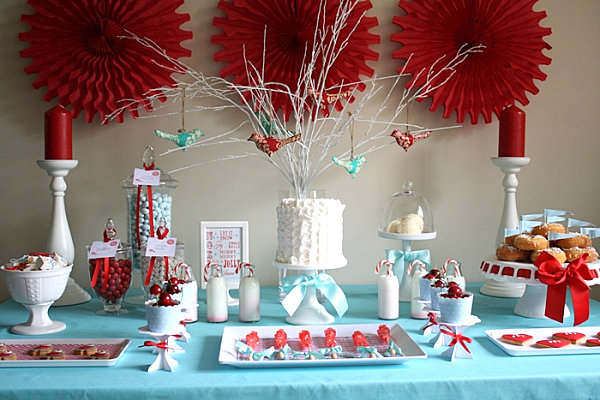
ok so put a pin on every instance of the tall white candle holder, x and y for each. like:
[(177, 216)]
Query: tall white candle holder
[(510, 166), (59, 235)]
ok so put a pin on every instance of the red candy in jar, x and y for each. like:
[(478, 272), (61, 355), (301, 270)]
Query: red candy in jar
[(119, 278)]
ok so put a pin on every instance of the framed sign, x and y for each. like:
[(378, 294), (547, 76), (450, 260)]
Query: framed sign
[(224, 243)]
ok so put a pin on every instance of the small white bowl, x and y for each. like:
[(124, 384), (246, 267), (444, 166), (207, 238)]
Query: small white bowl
[(37, 290)]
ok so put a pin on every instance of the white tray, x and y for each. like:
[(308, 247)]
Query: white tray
[(231, 334), (544, 333), (22, 346)]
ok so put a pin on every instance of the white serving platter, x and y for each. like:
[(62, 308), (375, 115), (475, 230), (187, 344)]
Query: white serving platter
[(116, 347), (541, 334), (228, 353)]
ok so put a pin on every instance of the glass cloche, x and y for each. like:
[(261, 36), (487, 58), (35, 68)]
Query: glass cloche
[(407, 216)]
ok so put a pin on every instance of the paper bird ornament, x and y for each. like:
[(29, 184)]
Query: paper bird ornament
[(271, 145), (181, 139), (405, 139), (352, 166)]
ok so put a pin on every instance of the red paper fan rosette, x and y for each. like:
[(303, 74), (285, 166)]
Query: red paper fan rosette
[(77, 52), (290, 26), (485, 82)]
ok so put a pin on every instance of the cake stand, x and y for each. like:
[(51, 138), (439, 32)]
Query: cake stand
[(165, 344), (533, 302), (405, 284), (309, 311), (510, 166)]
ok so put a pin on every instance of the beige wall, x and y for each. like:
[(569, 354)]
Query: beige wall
[(452, 169)]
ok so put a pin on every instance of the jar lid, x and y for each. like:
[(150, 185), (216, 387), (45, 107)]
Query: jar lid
[(407, 216), (147, 160)]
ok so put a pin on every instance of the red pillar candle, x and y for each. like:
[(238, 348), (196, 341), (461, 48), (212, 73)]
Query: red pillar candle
[(58, 134), (512, 133)]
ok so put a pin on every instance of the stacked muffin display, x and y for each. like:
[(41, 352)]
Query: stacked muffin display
[(526, 247)]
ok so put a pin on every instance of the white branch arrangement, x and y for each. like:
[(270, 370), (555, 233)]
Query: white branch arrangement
[(302, 161)]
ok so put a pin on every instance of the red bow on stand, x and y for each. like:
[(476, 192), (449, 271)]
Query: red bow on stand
[(432, 321), (458, 338), (553, 274), (161, 233), (159, 345)]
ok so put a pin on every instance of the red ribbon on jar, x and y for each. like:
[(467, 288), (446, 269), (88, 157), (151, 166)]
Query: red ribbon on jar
[(109, 234), (161, 233), (458, 338), (553, 274), (147, 167)]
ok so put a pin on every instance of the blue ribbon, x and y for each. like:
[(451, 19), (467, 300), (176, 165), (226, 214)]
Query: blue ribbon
[(393, 346), (327, 351), (593, 233), (296, 286), (398, 258), (246, 350), (366, 351)]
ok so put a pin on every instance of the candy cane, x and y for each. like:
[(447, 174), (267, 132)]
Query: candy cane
[(187, 270), (421, 264), (456, 267), (381, 264), (207, 269), (245, 264)]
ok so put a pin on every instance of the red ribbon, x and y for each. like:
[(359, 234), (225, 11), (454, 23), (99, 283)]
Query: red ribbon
[(159, 345), (137, 208), (458, 338), (97, 268), (432, 321), (161, 232), (553, 274)]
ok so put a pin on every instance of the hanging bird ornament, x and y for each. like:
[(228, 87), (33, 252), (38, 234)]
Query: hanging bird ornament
[(405, 139), (354, 164), (270, 145), (183, 137)]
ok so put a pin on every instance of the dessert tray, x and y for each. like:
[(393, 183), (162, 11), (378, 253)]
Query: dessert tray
[(541, 334), (115, 346), (229, 354)]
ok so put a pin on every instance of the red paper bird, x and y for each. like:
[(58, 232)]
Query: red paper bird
[(406, 140), (270, 145)]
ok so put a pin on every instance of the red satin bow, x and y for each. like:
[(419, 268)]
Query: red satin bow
[(458, 338), (159, 345), (552, 273), (432, 321)]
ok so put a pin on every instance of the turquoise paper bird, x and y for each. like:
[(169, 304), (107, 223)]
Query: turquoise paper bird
[(352, 166), (269, 129), (181, 139)]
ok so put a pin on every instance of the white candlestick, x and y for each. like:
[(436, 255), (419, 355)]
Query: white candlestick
[(510, 166), (59, 235)]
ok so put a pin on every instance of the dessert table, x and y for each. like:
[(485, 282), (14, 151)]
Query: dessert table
[(491, 374)]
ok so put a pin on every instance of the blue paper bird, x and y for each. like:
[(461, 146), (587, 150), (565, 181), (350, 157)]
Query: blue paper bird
[(181, 139), (352, 166), (268, 127)]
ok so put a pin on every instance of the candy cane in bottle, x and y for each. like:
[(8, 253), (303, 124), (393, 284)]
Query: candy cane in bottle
[(458, 277), (388, 291), (216, 295), (249, 295)]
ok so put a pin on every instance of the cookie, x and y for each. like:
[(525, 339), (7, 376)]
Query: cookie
[(100, 355), (552, 343), (41, 350), (54, 355), (573, 337), (8, 355), (86, 350), (592, 342), (3, 347), (520, 339)]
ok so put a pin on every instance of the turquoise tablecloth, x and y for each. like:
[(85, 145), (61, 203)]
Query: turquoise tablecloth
[(492, 374)]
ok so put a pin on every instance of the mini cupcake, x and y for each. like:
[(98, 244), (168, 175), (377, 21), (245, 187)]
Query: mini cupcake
[(425, 282), (435, 288), (455, 306), (163, 314)]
